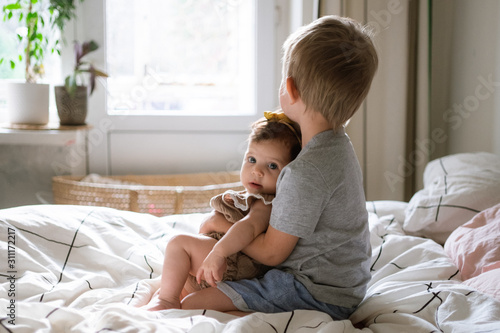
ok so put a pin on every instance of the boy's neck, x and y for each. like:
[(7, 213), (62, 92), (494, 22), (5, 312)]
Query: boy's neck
[(312, 123)]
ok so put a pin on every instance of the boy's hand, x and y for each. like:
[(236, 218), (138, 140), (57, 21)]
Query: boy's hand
[(212, 269)]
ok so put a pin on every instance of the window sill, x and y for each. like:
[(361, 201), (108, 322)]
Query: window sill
[(50, 134)]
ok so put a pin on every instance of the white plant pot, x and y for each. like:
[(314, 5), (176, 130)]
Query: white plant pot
[(28, 103)]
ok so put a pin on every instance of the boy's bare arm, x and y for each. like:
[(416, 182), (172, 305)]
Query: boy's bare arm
[(264, 248), (245, 230), (237, 238), (271, 248)]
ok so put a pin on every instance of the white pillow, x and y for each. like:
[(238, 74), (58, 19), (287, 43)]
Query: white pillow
[(456, 187)]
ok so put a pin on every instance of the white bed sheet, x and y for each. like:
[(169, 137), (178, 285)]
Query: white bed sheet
[(86, 269)]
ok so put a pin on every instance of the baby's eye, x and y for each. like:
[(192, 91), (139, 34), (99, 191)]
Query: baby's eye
[(251, 159), (273, 166)]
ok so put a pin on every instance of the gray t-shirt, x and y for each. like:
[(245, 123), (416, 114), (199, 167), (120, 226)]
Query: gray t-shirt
[(320, 199)]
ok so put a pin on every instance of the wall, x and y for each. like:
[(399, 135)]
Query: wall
[(464, 56), (29, 160), (473, 114)]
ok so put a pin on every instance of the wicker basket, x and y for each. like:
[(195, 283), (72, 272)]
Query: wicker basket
[(154, 194)]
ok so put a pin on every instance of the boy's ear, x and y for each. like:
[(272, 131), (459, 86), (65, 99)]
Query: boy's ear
[(292, 90)]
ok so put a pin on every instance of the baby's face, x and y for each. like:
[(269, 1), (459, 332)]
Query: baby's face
[(262, 165)]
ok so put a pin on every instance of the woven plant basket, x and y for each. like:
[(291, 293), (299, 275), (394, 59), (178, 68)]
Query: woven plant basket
[(159, 195)]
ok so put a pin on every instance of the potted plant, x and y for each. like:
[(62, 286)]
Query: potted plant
[(37, 22), (71, 99)]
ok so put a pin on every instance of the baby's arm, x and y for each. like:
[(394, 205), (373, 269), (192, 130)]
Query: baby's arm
[(237, 238), (215, 222)]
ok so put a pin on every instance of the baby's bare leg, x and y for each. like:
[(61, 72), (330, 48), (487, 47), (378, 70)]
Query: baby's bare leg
[(209, 298), (190, 286), (184, 254)]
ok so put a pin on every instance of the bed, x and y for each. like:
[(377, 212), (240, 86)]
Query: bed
[(435, 265)]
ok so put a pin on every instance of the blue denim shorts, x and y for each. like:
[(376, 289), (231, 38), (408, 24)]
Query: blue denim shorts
[(277, 291)]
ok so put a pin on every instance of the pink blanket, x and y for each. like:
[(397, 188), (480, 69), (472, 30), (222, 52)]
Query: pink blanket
[(475, 249)]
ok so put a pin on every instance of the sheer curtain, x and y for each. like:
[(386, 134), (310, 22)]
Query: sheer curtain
[(391, 131)]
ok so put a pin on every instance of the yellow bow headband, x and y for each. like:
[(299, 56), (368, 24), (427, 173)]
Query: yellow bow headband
[(277, 116), (280, 117)]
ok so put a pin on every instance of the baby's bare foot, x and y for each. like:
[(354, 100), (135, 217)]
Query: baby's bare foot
[(157, 304)]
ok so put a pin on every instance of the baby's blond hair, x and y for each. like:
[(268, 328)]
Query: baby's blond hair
[(332, 62)]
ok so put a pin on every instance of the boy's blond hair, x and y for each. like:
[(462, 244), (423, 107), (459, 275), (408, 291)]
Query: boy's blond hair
[(332, 62)]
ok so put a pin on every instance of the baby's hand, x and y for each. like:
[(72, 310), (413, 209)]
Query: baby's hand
[(212, 269)]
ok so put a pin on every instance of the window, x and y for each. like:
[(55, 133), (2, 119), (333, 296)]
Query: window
[(137, 107), (181, 57), (8, 50)]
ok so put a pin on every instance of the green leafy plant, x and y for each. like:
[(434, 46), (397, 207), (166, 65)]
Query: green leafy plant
[(38, 21), (82, 67)]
